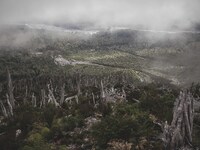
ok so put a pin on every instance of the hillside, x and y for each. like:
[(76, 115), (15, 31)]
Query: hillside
[(114, 88), (144, 55)]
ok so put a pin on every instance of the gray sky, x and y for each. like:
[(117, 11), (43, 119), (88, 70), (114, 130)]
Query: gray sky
[(156, 14)]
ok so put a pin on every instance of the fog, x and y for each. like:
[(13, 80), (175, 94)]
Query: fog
[(149, 14)]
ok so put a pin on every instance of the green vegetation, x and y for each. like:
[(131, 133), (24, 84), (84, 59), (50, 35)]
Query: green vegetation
[(122, 61), (126, 123), (62, 128)]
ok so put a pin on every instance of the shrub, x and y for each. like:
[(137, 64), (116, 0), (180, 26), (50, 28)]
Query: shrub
[(127, 123), (158, 102)]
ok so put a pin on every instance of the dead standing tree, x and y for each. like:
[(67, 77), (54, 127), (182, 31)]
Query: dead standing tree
[(78, 83), (9, 98), (51, 96), (62, 94), (178, 135), (10, 90), (3, 108)]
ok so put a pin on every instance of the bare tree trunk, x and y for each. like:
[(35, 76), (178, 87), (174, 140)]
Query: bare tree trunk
[(93, 99), (26, 95), (34, 102), (178, 135), (52, 97), (3, 108), (9, 105), (69, 99), (78, 82), (77, 100), (62, 94), (43, 96), (10, 90), (102, 91)]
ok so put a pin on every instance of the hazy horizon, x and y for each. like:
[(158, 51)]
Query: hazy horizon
[(154, 14)]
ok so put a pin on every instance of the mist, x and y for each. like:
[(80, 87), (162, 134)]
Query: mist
[(154, 14)]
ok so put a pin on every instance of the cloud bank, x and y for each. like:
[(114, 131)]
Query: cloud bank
[(156, 14)]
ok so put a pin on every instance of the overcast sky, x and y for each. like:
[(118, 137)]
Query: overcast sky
[(157, 14)]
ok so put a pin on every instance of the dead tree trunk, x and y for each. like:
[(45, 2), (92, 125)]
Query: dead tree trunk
[(178, 135), (51, 96), (93, 99), (3, 108), (10, 90), (62, 94), (69, 99), (43, 96), (78, 84), (9, 105), (34, 101), (26, 95), (102, 91)]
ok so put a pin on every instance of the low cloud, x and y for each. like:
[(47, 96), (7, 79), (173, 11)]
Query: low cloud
[(154, 14)]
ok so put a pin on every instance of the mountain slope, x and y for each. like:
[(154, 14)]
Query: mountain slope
[(144, 55)]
